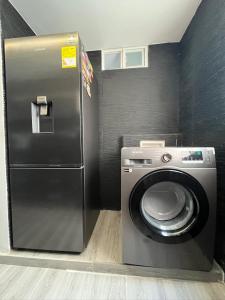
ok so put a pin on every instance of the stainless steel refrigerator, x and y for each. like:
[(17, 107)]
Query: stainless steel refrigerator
[(52, 132)]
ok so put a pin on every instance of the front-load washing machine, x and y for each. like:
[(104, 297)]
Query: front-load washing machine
[(168, 207)]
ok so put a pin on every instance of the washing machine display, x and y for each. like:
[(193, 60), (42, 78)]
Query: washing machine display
[(192, 156)]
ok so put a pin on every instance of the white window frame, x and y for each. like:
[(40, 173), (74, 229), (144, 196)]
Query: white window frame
[(123, 52), (143, 50), (103, 52)]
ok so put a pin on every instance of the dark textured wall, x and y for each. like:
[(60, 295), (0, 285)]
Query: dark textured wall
[(12, 23), (135, 101), (203, 94), (133, 140)]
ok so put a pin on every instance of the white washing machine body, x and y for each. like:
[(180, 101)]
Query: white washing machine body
[(168, 200)]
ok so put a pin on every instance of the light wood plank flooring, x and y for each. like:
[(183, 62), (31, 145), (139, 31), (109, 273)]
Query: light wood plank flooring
[(27, 283), (104, 245), (103, 255)]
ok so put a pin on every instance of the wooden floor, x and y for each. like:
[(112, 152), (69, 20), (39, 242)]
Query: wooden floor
[(103, 255), (104, 245), (27, 283), (64, 277)]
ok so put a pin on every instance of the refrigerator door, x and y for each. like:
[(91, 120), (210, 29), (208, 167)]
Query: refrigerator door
[(43, 101), (47, 209)]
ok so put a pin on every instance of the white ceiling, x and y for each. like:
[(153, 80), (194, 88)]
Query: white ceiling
[(106, 24)]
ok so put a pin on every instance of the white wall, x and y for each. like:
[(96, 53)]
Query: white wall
[(4, 217)]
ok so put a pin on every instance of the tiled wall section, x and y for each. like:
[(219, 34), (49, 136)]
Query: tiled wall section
[(202, 109), (137, 102), (12, 23)]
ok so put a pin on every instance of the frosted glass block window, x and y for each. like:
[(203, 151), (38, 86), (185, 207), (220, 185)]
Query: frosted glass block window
[(112, 59), (134, 57), (125, 58)]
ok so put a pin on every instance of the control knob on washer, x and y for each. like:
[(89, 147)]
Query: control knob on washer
[(166, 157)]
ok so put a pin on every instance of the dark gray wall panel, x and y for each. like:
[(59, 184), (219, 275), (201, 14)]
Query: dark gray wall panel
[(171, 140), (13, 24), (136, 101), (202, 106)]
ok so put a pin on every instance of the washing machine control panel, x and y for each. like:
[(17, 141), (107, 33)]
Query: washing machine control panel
[(137, 162), (136, 157), (167, 157), (192, 156)]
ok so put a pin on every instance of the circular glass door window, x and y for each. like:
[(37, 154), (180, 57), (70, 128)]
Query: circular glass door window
[(168, 207)]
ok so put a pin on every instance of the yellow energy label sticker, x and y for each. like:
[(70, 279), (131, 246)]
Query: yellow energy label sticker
[(69, 57)]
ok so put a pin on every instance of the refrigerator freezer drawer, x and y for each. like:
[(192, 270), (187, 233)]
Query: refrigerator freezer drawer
[(47, 209)]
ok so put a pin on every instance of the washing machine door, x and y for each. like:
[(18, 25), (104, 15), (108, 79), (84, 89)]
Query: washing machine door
[(169, 205)]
